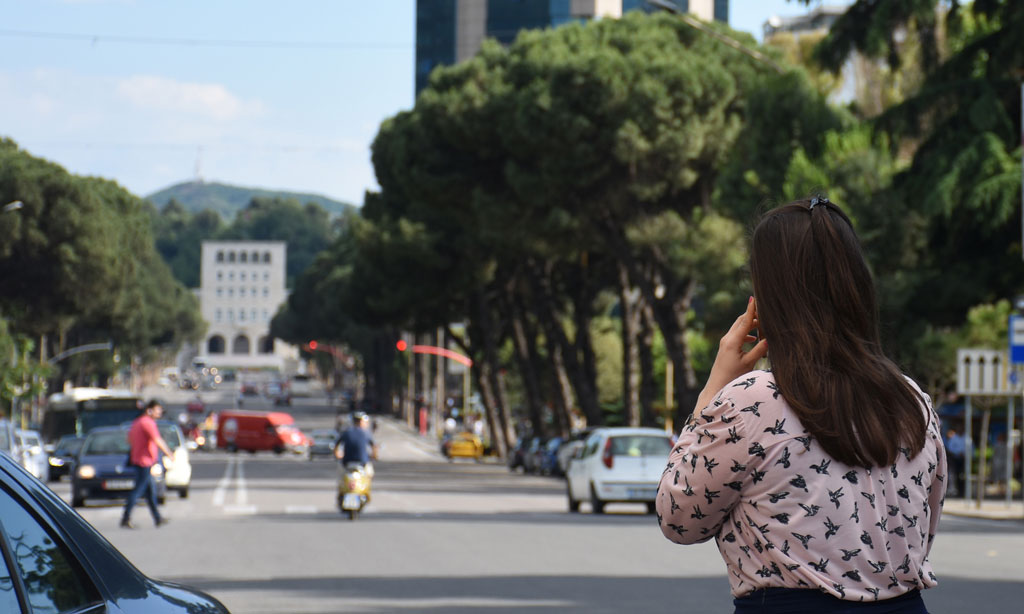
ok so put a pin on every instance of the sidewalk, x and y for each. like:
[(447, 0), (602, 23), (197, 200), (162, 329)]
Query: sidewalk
[(992, 510)]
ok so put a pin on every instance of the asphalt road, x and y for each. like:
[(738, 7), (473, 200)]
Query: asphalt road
[(261, 533)]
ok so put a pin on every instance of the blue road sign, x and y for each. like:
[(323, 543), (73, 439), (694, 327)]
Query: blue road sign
[(1016, 340)]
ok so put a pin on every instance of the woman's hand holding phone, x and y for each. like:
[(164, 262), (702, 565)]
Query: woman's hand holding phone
[(732, 360)]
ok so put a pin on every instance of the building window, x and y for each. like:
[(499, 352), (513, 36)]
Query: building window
[(231, 276), (241, 276), (241, 315), (253, 318), (255, 257), (231, 256), (220, 292), (266, 316), (217, 316), (266, 345), (220, 275), (240, 345), (266, 257), (231, 315), (231, 292), (215, 345), (266, 276), (243, 257), (254, 291), (220, 256)]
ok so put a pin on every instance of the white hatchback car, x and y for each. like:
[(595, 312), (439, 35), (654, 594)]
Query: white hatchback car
[(178, 473), (618, 464), (33, 457)]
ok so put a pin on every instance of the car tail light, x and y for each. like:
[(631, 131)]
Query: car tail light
[(607, 457)]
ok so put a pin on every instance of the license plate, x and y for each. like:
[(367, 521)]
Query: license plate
[(642, 493), (119, 484), (351, 501)]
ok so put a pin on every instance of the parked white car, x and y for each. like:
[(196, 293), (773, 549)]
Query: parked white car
[(618, 464), (32, 455), (177, 470)]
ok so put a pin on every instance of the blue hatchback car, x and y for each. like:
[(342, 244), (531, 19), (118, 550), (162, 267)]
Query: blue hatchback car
[(102, 471), (70, 567)]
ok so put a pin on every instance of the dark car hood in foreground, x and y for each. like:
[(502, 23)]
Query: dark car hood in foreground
[(118, 581)]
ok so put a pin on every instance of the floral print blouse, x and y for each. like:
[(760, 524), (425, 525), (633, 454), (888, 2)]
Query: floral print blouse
[(785, 514)]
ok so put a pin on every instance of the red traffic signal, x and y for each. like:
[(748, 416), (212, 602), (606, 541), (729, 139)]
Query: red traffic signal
[(401, 345), (312, 345)]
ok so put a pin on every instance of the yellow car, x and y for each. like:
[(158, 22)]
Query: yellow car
[(464, 445)]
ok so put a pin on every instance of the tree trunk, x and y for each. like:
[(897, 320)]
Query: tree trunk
[(556, 334), (563, 389), (550, 387), (645, 341), (524, 359), (669, 299), (486, 328), (481, 375), (630, 314)]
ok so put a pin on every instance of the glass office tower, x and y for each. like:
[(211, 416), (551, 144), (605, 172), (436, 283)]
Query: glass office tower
[(449, 31)]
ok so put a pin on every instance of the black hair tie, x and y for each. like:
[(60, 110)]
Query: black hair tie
[(818, 200)]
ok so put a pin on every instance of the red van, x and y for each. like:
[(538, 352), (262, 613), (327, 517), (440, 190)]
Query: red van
[(259, 430)]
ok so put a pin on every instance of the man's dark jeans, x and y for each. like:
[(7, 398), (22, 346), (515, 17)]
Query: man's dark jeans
[(144, 486)]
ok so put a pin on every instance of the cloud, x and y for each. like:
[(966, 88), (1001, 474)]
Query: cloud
[(203, 99)]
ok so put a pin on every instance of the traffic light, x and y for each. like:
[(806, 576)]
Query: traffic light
[(312, 345), (401, 345)]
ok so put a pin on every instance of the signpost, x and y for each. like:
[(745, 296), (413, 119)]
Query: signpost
[(990, 373)]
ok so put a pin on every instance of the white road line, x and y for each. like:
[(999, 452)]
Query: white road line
[(222, 485), (241, 495)]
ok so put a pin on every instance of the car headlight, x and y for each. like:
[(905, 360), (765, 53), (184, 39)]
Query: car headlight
[(157, 469), (87, 472), (56, 462)]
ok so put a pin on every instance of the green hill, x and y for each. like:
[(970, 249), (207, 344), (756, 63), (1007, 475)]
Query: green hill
[(226, 200)]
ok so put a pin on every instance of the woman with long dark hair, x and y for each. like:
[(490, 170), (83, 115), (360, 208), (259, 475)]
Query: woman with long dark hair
[(822, 479)]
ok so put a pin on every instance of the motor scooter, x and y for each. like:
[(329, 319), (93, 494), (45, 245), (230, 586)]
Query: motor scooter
[(354, 489)]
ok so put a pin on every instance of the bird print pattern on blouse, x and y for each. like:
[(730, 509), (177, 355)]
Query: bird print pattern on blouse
[(784, 514)]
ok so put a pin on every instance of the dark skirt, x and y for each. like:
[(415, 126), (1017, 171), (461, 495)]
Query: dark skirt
[(809, 601)]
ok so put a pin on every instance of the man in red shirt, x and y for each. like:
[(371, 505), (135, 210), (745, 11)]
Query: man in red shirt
[(145, 443)]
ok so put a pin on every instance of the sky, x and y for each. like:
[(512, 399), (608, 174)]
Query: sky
[(256, 93)]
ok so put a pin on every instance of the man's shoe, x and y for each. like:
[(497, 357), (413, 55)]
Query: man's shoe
[(127, 524), (161, 521)]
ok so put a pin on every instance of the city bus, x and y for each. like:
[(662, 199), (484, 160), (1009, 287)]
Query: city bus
[(78, 410)]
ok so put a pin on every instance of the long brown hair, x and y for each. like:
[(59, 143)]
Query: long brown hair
[(816, 307)]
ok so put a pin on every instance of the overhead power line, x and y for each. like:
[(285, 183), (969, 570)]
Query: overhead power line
[(193, 146), (199, 42)]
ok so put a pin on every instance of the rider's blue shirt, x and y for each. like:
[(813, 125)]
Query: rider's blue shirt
[(357, 442)]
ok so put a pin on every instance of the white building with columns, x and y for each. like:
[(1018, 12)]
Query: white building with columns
[(241, 287)]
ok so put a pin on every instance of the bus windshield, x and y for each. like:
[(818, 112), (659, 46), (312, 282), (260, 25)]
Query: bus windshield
[(70, 414)]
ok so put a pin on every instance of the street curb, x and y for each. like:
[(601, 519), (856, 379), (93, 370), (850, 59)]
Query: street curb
[(989, 510)]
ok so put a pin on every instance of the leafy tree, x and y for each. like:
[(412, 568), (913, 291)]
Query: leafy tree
[(80, 265)]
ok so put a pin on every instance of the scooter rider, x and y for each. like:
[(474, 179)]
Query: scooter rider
[(356, 445)]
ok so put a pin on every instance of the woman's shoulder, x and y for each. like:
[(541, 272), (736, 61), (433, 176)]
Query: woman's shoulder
[(753, 385)]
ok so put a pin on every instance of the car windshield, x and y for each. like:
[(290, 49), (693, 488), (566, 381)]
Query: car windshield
[(106, 442), (171, 434), (641, 445), (70, 445)]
